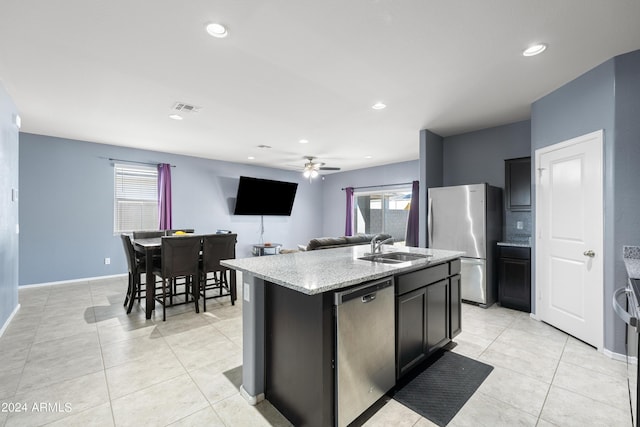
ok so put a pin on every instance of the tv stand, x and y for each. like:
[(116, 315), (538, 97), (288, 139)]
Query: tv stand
[(261, 249)]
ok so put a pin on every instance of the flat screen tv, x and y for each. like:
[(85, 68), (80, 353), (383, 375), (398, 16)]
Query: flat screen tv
[(264, 197)]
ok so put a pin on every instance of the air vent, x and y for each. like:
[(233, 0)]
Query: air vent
[(186, 108)]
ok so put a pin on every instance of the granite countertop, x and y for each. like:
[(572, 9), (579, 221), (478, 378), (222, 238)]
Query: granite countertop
[(516, 244), (631, 257), (319, 271)]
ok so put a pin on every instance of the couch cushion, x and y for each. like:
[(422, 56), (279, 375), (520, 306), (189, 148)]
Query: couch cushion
[(325, 241), (336, 242), (358, 239)]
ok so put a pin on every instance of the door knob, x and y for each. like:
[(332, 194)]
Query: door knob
[(589, 253)]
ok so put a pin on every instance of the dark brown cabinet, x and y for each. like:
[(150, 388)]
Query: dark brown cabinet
[(517, 183), (411, 337), (437, 315), (514, 278), (427, 313)]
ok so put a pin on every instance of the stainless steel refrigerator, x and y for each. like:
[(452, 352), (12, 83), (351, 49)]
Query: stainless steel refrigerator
[(469, 218)]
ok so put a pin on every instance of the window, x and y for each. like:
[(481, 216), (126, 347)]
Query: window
[(135, 199), (383, 212)]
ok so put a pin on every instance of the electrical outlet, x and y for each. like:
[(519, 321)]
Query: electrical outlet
[(519, 225), (107, 261), (246, 293)]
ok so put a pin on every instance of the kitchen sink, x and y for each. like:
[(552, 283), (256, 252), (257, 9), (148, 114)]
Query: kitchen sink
[(394, 257)]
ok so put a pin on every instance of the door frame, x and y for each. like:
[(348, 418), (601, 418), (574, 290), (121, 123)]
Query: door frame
[(599, 135)]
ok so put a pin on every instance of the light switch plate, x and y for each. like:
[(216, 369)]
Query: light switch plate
[(519, 225), (14, 195)]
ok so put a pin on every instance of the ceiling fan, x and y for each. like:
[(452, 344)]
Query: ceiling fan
[(311, 168)]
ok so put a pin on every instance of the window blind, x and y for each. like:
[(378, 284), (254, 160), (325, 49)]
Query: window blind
[(135, 198)]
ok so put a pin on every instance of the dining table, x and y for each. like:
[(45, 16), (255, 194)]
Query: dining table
[(150, 247)]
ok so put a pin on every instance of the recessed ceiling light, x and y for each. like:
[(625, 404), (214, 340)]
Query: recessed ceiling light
[(250, 158), (217, 30), (368, 157), (378, 106), (304, 141), (535, 49), (175, 116)]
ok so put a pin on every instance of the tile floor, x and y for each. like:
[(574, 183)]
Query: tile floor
[(73, 353)]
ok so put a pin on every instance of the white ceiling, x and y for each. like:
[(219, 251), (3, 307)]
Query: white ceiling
[(110, 71)]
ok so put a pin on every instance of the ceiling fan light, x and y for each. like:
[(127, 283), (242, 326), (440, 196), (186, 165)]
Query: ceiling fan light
[(306, 173), (314, 173)]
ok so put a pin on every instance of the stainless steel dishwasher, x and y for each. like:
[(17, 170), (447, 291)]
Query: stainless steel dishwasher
[(365, 347)]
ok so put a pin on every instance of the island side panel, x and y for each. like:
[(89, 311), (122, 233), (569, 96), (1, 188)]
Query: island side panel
[(253, 332), (299, 355)]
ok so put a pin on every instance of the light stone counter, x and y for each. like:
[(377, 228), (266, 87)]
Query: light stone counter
[(319, 271)]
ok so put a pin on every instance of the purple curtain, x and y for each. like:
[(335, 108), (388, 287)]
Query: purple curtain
[(348, 226), (412, 237), (164, 196)]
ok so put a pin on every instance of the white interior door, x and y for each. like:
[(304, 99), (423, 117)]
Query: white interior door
[(569, 237)]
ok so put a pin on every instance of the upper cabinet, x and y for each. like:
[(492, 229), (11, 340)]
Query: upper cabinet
[(517, 183)]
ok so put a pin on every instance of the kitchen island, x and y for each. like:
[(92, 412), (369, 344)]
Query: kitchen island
[(289, 326)]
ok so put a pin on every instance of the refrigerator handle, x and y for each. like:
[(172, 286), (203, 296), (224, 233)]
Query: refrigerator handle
[(430, 222)]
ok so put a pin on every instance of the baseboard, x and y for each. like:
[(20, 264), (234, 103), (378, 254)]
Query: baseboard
[(610, 354), (11, 316), (620, 357), (72, 281), (252, 400)]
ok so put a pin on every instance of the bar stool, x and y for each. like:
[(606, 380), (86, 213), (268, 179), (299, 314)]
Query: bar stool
[(180, 258), (216, 247)]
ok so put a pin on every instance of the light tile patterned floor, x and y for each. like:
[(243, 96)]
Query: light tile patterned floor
[(73, 344)]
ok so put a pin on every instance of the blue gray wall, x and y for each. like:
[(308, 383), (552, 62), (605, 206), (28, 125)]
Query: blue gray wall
[(626, 168), (585, 105), (626, 176), (479, 156), (66, 217), (8, 207), (471, 158), (334, 199), (431, 152)]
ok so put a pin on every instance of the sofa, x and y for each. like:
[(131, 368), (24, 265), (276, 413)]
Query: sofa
[(339, 242)]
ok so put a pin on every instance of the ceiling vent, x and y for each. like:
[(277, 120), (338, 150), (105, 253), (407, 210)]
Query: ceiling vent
[(186, 108)]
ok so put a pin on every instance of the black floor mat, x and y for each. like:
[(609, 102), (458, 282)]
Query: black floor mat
[(438, 392)]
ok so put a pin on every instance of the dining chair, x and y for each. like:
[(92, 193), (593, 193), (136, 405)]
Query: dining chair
[(136, 267), (148, 234), (180, 258), (213, 275)]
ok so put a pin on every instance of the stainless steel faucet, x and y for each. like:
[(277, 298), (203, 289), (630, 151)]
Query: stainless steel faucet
[(376, 243)]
